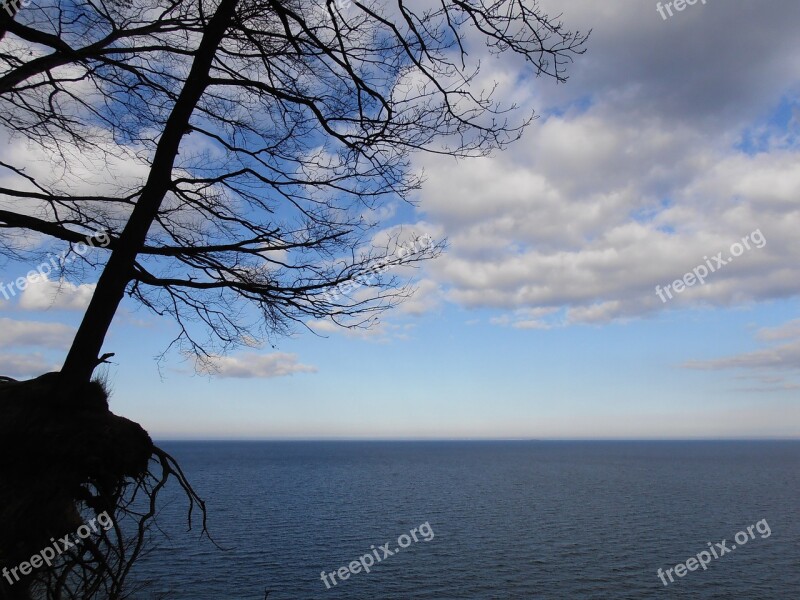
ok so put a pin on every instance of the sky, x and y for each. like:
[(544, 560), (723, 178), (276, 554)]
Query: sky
[(670, 154)]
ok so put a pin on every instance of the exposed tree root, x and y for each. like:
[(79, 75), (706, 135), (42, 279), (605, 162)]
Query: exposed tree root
[(70, 467)]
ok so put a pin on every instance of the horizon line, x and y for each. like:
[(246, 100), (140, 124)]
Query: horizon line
[(476, 439)]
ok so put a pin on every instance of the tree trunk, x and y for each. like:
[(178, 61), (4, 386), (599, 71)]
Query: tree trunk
[(83, 354), (8, 11)]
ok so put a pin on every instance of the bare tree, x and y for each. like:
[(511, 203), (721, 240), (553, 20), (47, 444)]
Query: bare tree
[(265, 128), (230, 155)]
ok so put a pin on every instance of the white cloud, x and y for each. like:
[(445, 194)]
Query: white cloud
[(19, 366), (547, 245), (597, 313), (785, 356), (774, 368), (15, 333), (376, 331), (252, 365), (635, 174), (427, 296), (43, 294), (528, 318), (786, 331)]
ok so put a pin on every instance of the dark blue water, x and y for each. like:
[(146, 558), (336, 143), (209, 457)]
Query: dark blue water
[(508, 519)]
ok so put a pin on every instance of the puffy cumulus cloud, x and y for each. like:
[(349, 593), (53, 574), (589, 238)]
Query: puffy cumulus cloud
[(404, 238), (596, 313), (427, 296), (15, 333), (324, 326), (252, 365), (380, 214), (20, 366), (638, 173), (103, 167), (42, 294)]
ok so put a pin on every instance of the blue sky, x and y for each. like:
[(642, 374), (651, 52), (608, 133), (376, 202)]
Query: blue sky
[(672, 141)]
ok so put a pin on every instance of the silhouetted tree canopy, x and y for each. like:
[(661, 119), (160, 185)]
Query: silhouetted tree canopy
[(233, 149)]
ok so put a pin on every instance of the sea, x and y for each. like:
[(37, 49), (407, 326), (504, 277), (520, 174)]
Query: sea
[(481, 520)]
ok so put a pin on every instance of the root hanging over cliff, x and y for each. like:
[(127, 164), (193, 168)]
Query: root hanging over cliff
[(79, 487)]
